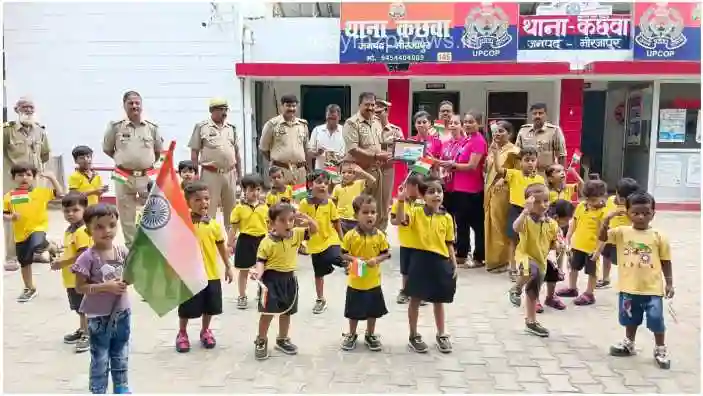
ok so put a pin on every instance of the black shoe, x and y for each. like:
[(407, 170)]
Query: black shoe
[(284, 345), (536, 329), (261, 349), (349, 342), (73, 337), (623, 348), (416, 344), (443, 344), (373, 342)]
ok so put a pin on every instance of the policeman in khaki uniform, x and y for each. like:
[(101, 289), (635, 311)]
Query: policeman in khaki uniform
[(389, 134), (215, 147), (135, 144), (284, 139), (24, 141), (547, 138), (363, 140)]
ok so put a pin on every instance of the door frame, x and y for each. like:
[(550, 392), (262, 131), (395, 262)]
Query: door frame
[(346, 107), (457, 104)]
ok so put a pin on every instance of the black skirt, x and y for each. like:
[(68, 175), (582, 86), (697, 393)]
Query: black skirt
[(281, 295), (513, 213), (431, 277), (364, 304), (245, 250)]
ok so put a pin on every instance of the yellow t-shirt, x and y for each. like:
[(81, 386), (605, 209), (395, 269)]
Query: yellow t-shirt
[(33, 215), (252, 220), (536, 239), (406, 236), (518, 182), (567, 193), (344, 196), (281, 254), (436, 229), (273, 197), (74, 240), (324, 214), (616, 221), (587, 224), (365, 246), (209, 235), (640, 256), (80, 182)]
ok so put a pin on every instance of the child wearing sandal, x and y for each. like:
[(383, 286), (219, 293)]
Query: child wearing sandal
[(432, 273)]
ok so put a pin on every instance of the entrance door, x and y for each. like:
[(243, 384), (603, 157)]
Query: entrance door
[(429, 101), (315, 99), (638, 111), (593, 127)]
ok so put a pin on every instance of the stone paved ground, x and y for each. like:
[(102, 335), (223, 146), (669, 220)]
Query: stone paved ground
[(492, 354)]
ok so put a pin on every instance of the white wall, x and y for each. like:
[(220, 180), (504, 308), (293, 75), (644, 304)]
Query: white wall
[(77, 59)]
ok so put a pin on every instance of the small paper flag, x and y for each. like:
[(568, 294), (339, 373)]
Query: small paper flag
[(575, 158), (358, 268), (439, 127), (494, 126), (120, 176), (299, 191), (422, 166), (19, 196), (332, 173), (672, 312)]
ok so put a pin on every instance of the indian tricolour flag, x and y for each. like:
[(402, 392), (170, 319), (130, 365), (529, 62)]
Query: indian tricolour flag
[(422, 166), (164, 263), (299, 191), (19, 196), (439, 127), (575, 158), (120, 176), (332, 173), (358, 267)]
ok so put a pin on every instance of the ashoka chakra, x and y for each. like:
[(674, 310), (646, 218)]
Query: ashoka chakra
[(156, 214)]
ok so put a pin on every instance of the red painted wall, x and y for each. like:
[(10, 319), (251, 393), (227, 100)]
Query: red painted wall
[(571, 114), (400, 97)]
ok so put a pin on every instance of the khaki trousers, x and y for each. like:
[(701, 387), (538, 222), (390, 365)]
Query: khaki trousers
[(128, 196), (223, 191), (295, 175), (382, 192)]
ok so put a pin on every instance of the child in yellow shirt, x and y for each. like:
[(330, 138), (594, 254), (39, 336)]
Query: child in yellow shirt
[(645, 274), (26, 206), (250, 219), (616, 204), (406, 237), (517, 181), (583, 239), (354, 182), (556, 182), (366, 247), (280, 192), (325, 245), (85, 179), (538, 234), (75, 240)]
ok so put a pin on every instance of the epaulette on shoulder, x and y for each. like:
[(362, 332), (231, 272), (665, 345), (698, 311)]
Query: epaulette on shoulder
[(151, 123), (115, 123), (526, 126), (304, 121), (232, 125)]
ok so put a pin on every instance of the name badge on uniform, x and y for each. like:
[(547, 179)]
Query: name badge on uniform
[(213, 134), (280, 130)]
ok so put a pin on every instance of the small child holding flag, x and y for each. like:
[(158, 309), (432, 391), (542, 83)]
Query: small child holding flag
[(354, 181), (365, 247), (84, 179)]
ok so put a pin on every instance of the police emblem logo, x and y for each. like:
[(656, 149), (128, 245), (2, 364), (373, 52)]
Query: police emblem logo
[(396, 11), (156, 213), (486, 26), (661, 25)]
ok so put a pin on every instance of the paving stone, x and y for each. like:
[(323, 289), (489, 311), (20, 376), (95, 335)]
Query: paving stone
[(550, 367), (633, 378), (528, 374), (559, 383), (506, 382), (521, 360), (498, 366), (601, 369), (581, 376), (614, 385)]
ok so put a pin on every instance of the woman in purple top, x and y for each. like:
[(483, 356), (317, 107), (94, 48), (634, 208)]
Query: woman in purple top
[(105, 302), (464, 165)]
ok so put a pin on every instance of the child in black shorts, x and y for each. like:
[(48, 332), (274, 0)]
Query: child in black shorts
[(277, 260), (250, 219), (208, 302)]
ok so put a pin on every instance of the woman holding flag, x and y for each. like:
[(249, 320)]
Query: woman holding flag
[(446, 110)]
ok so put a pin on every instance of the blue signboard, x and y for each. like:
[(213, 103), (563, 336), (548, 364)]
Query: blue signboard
[(667, 31), (572, 32)]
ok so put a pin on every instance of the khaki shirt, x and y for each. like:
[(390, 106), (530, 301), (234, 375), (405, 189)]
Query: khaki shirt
[(25, 144), (362, 133), (549, 142), (135, 146), (285, 141), (217, 145)]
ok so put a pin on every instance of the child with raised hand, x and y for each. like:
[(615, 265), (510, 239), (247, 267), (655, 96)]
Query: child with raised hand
[(366, 247), (556, 182), (354, 182), (432, 273), (211, 239), (279, 192), (517, 181), (325, 244), (583, 240), (411, 191), (645, 274), (249, 221), (84, 179), (538, 234), (105, 303), (276, 263), (26, 206), (616, 204)]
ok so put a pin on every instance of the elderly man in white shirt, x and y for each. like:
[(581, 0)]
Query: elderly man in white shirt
[(326, 141)]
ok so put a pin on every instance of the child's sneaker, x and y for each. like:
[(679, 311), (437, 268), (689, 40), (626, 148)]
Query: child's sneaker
[(623, 348), (349, 342), (122, 390), (207, 340), (83, 344), (537, 329), (538, 307), (567, 292), (242, 302), (320, 306), (402, 298), (585, 299), (373, 342), (261, 349), (661, 355), (72, 338), (182, 342), (284, 345), (27, 295), (416, 344), (555, 303), (515, 296), (443, 344), (603, 284)]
